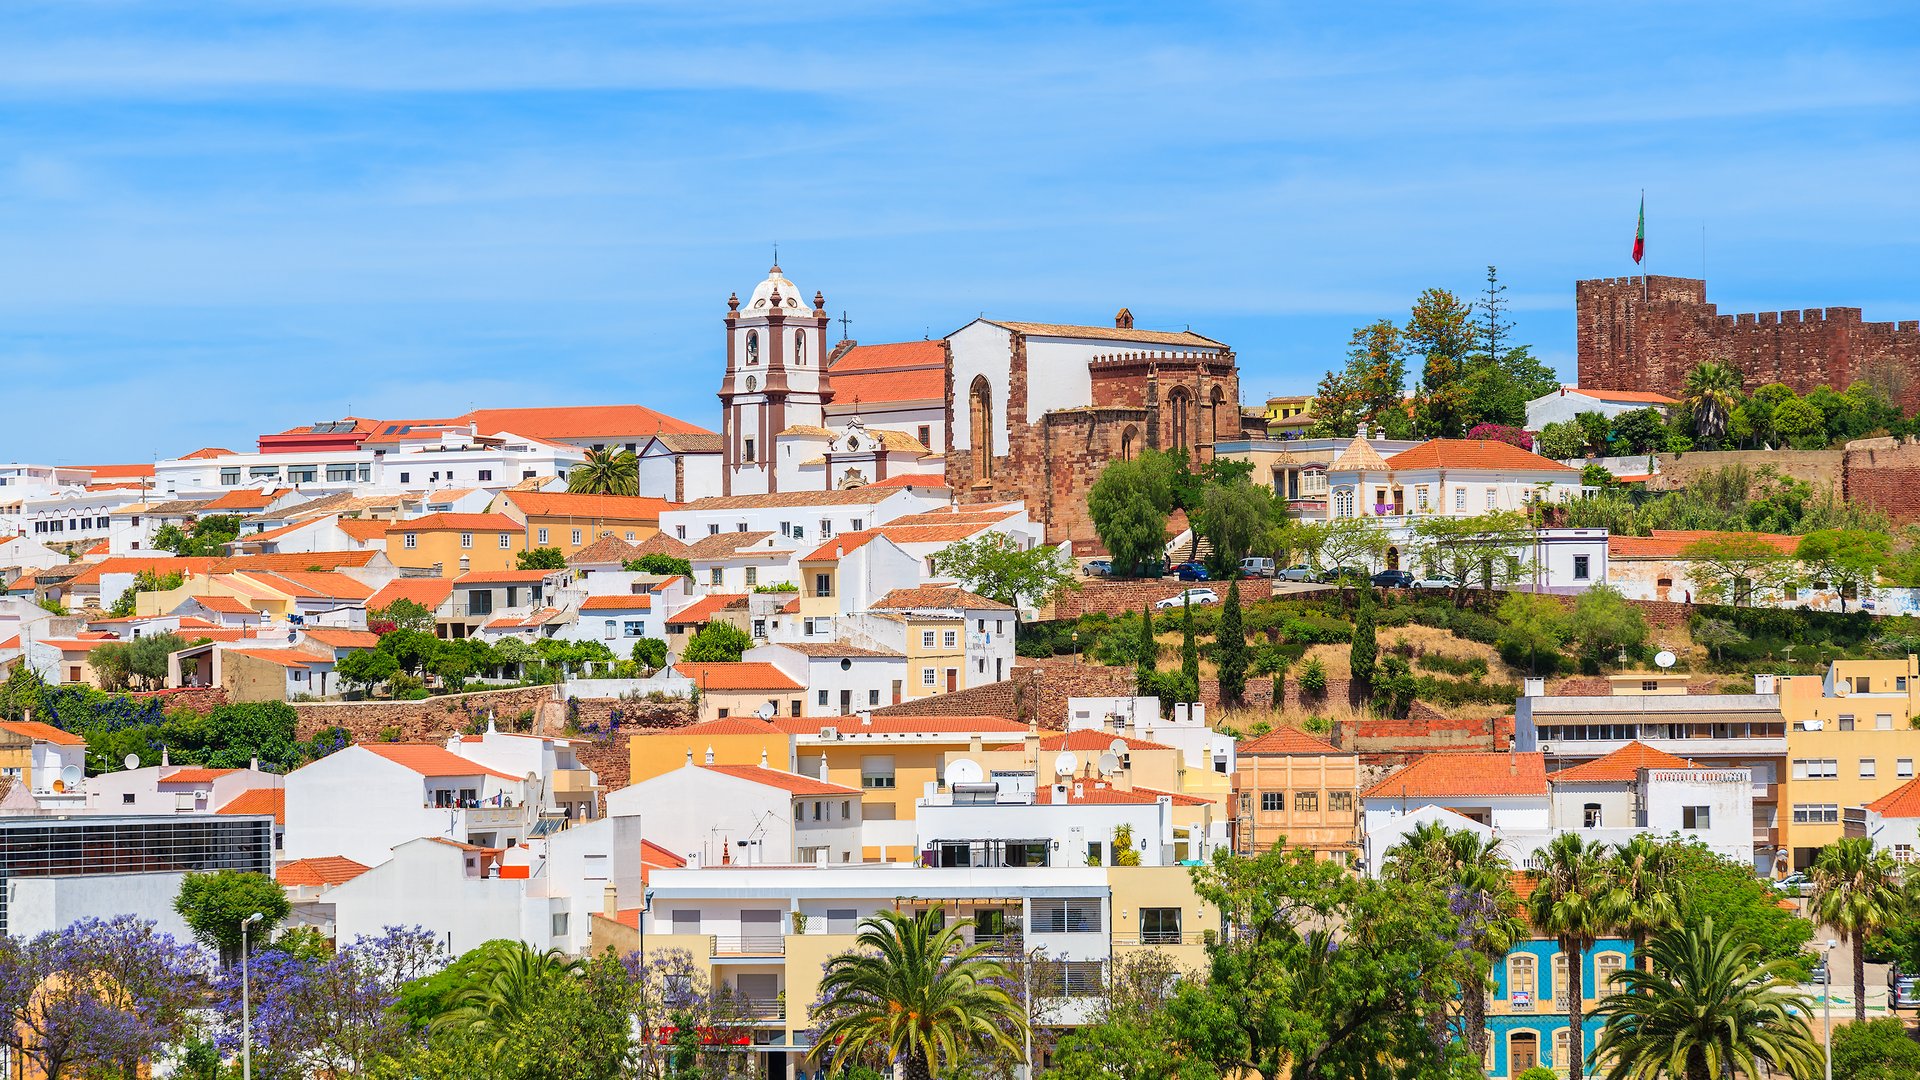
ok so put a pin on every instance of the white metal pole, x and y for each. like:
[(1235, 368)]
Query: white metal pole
[(1826, 1007), (246, 1001)]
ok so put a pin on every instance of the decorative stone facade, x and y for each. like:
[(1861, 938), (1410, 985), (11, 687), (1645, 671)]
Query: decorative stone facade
[(1628, 341)]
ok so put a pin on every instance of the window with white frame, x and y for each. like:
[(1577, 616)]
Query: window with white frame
[(1903, 767), (1492, 495), (1460, 500), (1696, 817), (1816, 813), (927, 676), (948, 638), (926, 639), (466, 540), (410, 540), (753, 576), (1816, 769), (506, 541), (1066, 915), (576, 537), (1343, 502), (1420, 498), (1869, 768), (542, 535), (876, 772)]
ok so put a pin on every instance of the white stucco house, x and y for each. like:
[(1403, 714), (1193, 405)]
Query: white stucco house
[(712, 814)]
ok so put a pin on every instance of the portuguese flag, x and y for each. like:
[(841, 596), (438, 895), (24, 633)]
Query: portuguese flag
[(1640, 231)]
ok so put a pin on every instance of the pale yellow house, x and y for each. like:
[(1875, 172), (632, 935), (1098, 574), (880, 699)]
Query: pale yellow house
[(1296, 790), (743, 689), (1850, 740), (734, 740), (454, 544)]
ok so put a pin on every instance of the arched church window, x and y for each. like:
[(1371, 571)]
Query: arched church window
[(800, 348), (1179, 413), (980, 424), (1127, 448), (1216, 414), (753, 346)]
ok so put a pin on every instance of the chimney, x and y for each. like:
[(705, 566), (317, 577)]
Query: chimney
[(1123, 320), (254, 765), (163, 758), (689, 755), (709, 755), (610, 901), (1534, 688), (1763, 684), (823, 764), (763, 757), (866, 718)]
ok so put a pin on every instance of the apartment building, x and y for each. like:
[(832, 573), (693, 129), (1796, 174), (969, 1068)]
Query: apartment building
[(1850, 741), (1296, 790)]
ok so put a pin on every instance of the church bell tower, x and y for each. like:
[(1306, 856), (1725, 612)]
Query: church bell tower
[(776, 379)]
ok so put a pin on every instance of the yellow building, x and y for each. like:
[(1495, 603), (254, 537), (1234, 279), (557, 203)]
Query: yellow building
[(455, 544), (744, 689), (936, 648), (1296, 789), (1850, 740), (1289, 416), (570, 521), (27, 746), (733, 740)]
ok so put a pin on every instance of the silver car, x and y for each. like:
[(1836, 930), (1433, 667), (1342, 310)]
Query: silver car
[(1190, 596), (1903, 990), (1298, 572)]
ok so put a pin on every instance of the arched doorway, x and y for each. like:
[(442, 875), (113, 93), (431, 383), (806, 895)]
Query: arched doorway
[(980, 427), (1214, 413), (1127, 440), (1393, 558), (1523, 1052)]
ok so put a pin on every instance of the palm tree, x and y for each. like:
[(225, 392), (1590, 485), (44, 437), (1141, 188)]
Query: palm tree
[(1705, 1010), (1473, 871), (1645, 897), (915, 992), (1856, 890), (1569, 902), (506, 984), (606, 471), (1710, 392)]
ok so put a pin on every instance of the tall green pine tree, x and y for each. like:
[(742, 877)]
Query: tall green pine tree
[(1365, 650), (1230, 650), (1147, 659), (1189, 654)]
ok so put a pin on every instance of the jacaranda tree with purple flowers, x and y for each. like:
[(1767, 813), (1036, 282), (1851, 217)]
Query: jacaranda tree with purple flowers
[(98, 995), (328, 1015)]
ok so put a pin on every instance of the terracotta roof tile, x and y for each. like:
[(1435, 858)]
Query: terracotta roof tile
[(1669, 543), (1110, 333), (904, 384), (901, 725), (1468, 454), (617, 603), (792, 783), (730, 725), (429, 593), (456, 522), (260, 800), (324, 870), (1089, 739), (1287, 740), (340, 637), (728, 545), (573, 505), (840, 546), (1620, 766), (429, 760), (832, 648), (1447, 775), (43, 732), (607, 549), (364, 529), (1641, 396), (244, 499), (1901, 802), (708, 606), (889, 356), (744, 675), (503, 577), (938, 596), (194, 774), (850, 497), (930, 480)]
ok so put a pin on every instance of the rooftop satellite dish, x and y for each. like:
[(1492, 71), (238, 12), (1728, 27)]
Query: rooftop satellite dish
[(1066, 763), (766, 712), (1117, 747), (963, 771), (131, 761), (72, 774), (1664, 659), (1841, 688), (1109, 763)]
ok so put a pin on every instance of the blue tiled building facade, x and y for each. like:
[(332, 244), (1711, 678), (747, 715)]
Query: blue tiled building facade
[(1527, 1014)]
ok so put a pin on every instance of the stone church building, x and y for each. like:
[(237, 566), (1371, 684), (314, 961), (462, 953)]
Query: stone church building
[(1000, 410)]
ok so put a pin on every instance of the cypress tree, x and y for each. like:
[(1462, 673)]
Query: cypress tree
[(1365, 650), (1230, 649), (1147, 655), (1189, 653)]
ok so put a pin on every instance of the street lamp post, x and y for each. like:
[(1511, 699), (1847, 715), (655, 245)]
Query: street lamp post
[(246, 1001), (1826, 1006)]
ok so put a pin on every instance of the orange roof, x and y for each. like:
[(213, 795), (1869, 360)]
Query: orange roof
[(1901, 802), (1470, 454), (889, 356), (274, 534), (1620, 766), (1448, 775), (42, 732), (243, 499), (325, 870), (103, 472), (322, 584), (791, 607), (1642, 396), (938, 596), (730, 725), (225, 605), (839, 545), (430, 760), (290, 658), (1287, 740), (617, 603), (977, 514), (571, 505), (194, 774), (206, 452), (339, 637), (907, 384), (912, 480), (580, 422), (792, 783), (363, 529), (429, 593), (456, 523), (1669, 543), (259, 800), (1089, 739), (11, 643), (1098, 792), (503, 577), (705, 608), (900, 725), (744, 675)]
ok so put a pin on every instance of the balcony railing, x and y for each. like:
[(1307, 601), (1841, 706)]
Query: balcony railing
[(760, 1009), (1163, 937), (749, 945)]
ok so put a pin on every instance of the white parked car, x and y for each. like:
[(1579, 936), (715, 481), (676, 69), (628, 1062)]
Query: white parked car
[(1190, 596), (1435, 583)]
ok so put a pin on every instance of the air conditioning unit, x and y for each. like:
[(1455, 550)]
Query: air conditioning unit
[(830, 733), (1546, 748)]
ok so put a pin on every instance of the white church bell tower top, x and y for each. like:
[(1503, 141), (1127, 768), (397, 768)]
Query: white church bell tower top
[(763, 299)]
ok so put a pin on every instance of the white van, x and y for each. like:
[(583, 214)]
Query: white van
[(1256, 568)]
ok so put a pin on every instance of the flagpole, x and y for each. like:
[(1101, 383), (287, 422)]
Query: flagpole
[(1646, 271)]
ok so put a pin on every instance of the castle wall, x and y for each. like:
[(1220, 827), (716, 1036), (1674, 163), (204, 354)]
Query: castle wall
[(1626, 342)]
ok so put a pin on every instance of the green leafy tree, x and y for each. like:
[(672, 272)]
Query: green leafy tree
[(144, 581), (1474, 873), (1844, 558), (1482, 552), (366, 668), (1130, 1035), (1364, 649), (1440, 332), (206, 537), (1875, 1050), (1230, 651), (1604, 623), (1745, 906), (1641, 431), (606, 471), (1705, 1008), (1561, 440), (1714, 635), (406, 615), (541, 558), (1645, 893), (1313, 677), (1129, 503), (1569, 902), (1799, 422), (1147, 657), (1322, 974), (236, 733), (504, 987), (1856, 891), (1710, 392), (1233, 518), (1354, 541), (1369, 391), (1595, 476), (412, 650), (1532, 629), (1189, 647), (659, 564), (213, 905), (716, 642), (1734, 567), (1599, 430), (914, 992), (998, 568), (650, 653)]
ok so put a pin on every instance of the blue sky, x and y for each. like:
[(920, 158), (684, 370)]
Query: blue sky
[(222, 217)]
